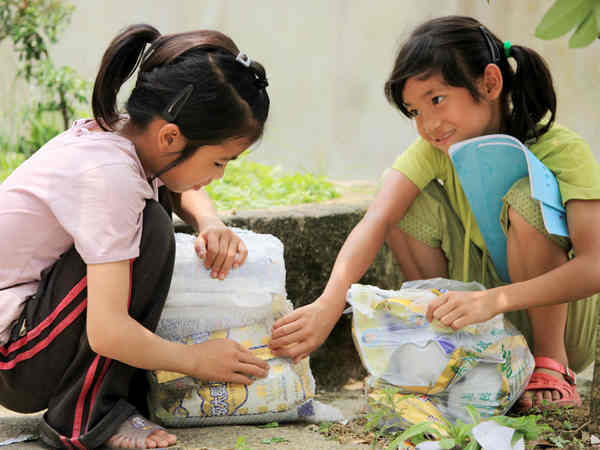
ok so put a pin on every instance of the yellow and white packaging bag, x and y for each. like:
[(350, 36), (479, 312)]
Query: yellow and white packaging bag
[(485, 365), (243, 307)]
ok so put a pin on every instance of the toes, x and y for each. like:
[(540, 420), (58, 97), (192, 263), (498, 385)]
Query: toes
[(160, 438), (525, 401), (555, 395)]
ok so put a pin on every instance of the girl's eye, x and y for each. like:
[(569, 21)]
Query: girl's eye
[(218, 164), (437, 99)]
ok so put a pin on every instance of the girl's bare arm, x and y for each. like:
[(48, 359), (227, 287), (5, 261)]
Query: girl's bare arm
[(308, 326), (576, 279), (114, 334)]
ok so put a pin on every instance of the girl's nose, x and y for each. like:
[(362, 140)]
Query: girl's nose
[(431, 124)]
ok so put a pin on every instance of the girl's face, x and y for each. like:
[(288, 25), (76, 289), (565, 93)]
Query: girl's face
[(205, 165), (447, 114)]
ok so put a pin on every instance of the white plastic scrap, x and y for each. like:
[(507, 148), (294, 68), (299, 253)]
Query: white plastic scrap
[(489, 434), (428, 445), (19, 438), (325, 413), (493, 436)]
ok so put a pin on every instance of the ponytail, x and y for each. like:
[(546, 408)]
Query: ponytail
[(119, 63), (460, 48), (532, 95)]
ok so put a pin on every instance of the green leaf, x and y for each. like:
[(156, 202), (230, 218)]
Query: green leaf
[(597, 13), (274, 440), (562, 16), (415, 430), (473, 445), (447, 443), (586, 32), (474, 414), (269, 425)]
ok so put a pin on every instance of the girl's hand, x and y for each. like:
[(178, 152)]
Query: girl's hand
[(303, 330), (457, 309), (220, 248), (225, 360)]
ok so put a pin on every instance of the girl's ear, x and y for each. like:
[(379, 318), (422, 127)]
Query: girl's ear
[(492, 82), (170, 138)]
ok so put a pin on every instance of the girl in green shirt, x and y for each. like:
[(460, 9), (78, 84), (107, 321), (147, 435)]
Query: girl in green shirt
[(453, 77)]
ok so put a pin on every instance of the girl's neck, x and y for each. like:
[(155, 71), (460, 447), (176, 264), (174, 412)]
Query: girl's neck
[(127, 129)]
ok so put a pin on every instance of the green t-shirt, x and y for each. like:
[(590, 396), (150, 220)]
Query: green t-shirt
[(564, 152)]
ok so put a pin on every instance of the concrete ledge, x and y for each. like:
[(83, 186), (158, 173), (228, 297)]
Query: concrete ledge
[(312, 236)]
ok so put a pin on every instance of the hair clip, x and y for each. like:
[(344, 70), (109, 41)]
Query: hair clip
[(171, 112), (490, 44), (243, 59)]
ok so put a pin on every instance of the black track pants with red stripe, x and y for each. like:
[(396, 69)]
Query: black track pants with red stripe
[(48, 362)]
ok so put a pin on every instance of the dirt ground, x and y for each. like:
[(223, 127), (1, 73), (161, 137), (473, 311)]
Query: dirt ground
[(289, 436), (572, 426)]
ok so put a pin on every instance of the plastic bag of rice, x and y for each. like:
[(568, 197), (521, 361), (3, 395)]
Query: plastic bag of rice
[(433, 370), (243, 307)]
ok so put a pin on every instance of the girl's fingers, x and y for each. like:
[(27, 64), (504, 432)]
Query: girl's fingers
[(288, 339), (240, 379), (212, 249), (285, 329), (200, 247), (242, 254), (443, 309), (252, 370), (247, 357), (220, 256), (228, 261), (293, 316), (300, 358), (450, 318), (434, 305)]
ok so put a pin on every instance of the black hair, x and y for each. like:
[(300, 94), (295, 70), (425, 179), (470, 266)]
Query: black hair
[(192, 79), (460, 48)]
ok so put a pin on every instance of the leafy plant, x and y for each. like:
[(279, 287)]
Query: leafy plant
[(250, 185), (455, 436), (274, 440), (269, 425), (450, 436), (382, 416), (565, 15), (32, 26), (241, 444), (9, 161)]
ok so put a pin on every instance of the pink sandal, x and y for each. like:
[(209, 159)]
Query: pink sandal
[(542, 381), (135, 429)]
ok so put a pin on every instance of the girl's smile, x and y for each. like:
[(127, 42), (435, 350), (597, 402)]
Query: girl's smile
[(447, 114)]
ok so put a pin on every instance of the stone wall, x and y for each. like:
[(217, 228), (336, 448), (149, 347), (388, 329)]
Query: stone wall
[(312, 236)]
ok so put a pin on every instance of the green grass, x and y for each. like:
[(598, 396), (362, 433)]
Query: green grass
[(9, 161), (250, 185)]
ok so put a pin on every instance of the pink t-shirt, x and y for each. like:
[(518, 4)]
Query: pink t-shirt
[(85, 188)]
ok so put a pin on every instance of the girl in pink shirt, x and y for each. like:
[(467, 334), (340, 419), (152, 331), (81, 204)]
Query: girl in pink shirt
[(88, 249)]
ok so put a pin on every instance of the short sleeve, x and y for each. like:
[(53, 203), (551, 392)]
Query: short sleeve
[(102, 209), (420, 163), (571, 160)]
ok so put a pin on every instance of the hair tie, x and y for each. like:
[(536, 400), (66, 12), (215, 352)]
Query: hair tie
[(507, 47), (243, 59)]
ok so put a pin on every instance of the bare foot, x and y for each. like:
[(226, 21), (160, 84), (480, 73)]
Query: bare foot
[(133, 433)]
